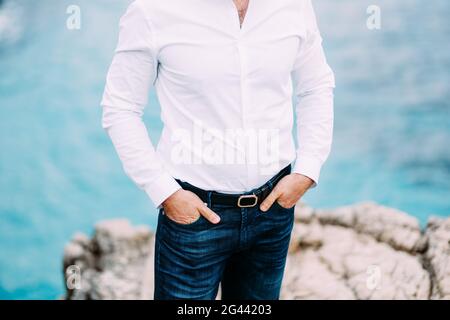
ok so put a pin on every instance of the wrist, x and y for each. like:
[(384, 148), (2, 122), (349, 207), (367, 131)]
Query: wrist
[(303, 180), (171, 197)]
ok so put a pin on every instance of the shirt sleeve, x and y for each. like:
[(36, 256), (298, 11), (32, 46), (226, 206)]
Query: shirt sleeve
[(313, 83), (130, 76)]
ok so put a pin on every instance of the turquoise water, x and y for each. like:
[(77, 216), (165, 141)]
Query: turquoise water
[(59, 173)]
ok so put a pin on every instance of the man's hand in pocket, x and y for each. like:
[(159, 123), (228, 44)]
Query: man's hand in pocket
[(288, 191), (185, 207)]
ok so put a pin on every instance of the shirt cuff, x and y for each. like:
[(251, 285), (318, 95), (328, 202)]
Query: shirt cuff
[(160, 189), (309, 167)]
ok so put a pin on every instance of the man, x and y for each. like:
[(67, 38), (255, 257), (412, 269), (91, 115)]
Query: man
[(225, 73)]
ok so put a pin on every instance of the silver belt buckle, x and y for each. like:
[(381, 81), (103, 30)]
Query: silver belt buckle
[(247, 196)]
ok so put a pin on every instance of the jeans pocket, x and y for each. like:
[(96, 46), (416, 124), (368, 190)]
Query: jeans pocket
[(191, 225), (279, 206), (279, 213)]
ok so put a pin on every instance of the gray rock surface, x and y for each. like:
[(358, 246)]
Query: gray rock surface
[(363, 251), (437, 256), (115, 264)]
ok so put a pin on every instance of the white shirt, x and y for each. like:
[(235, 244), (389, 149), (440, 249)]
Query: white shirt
[(226, 93)]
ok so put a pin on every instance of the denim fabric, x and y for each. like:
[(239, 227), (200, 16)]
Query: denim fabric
[(245, 252)]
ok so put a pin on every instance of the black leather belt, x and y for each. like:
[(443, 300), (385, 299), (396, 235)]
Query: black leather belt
[(242, 200)]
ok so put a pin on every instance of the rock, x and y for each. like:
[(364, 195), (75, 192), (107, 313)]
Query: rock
[(363, 251), (437, 256), (307, 277), (388, 225), (350, 265), (113, 264)]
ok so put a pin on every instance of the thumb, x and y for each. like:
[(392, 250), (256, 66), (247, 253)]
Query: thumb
[(209, 214), (270, 199)]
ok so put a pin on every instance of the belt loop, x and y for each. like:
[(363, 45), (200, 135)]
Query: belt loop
[(208, 196)]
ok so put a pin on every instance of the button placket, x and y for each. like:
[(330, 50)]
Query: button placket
[(244, 111)]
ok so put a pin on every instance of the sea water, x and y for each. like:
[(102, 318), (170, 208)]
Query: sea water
[(59, 173)]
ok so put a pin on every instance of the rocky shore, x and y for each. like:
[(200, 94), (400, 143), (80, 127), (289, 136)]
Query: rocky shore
[(363, 251)]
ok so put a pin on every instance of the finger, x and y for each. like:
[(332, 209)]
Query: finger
[(210, 215), (270, 199)]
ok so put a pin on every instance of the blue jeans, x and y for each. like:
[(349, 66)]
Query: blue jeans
[(245, 252)]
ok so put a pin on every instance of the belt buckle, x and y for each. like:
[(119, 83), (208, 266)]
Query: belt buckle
[(247, 196)]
